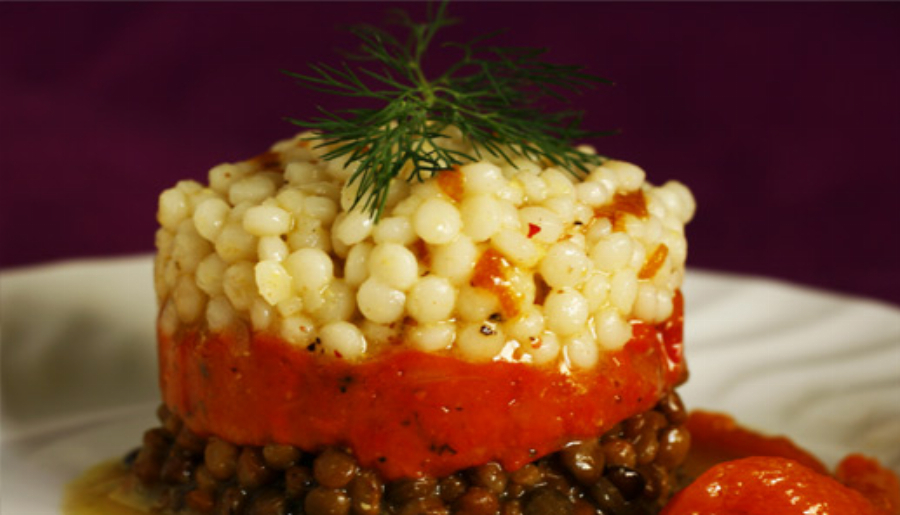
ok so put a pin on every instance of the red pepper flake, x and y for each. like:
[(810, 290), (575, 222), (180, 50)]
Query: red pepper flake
[(452, 182), (533, 229), (654, 262), (338, 354)]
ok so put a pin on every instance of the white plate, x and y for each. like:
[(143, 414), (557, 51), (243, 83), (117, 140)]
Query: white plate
[(79, 368)]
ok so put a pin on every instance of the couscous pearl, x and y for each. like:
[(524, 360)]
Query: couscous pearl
[(630, 177), (645, 302), (261, 314), (290, 306), (582, 351), (348, 196), (679, 200), (321, 189), (517, 247), (612, 331), (565, 311), (596, 290), (267, 221), (623, 290), (455, 260), (302, 173), (272, 248), (564, 207), (253, 189), (480, 342), (380, 335), (638, 257), (564, 265), (189, 248), (343, 340), (653, 231), (221, 177), (356, 266), (164, 240), (605, 176), (210, 273), (321, 208), (593, 194), (239, 284), (379, 302), (546, 224), (437, 221), (431, 299), (394, 229), (431, 337), (483, 177), (509, 216), (173, 208), (353, 227), (299, 330), (394, 265), (236, 215), (340, 169), (210, 216), (291, 200), (313, 300), (476, 304), (535, 189), (309, 233), (311, 269), (399, 190), (219, 313), (512, 193), (273, 281), (598, 228), (480, 216), (526, 326), (664, 305), (189, 300), (677, 247), (235, 244), (559, 183), (543, 348), (408, 206), (583, 215), (612, 252), (339, 302)]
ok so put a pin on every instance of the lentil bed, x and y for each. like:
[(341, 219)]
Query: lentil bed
[(630, 470)]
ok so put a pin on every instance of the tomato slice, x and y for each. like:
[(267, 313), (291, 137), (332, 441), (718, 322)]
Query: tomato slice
[(407, 413)]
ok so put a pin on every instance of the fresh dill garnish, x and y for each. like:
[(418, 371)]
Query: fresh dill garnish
[(493, 95)]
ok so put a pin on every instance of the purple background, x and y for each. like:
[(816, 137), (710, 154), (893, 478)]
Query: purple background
[(783, 118)]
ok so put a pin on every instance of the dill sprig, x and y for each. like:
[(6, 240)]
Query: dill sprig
[(494, 95)]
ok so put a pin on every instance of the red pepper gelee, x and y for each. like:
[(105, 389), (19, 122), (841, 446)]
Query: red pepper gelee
[(408, 413)]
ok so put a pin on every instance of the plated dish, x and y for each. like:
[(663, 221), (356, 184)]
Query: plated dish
[(46, 449), (441, 306)]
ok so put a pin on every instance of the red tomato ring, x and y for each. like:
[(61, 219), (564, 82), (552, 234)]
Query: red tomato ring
[(410, 413)]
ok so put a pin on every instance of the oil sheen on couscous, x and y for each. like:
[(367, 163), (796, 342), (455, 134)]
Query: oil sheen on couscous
[(489, 260)]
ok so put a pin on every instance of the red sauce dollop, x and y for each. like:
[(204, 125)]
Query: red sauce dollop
[(766, 485)]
